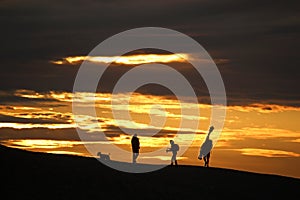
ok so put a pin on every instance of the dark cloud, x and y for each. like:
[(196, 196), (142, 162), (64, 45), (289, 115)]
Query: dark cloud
[(10, 97), (39, 133), (259, 38), (12, 119), (115, 131)]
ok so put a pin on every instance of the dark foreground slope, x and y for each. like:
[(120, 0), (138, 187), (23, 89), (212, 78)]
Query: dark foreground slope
[(29, 175)]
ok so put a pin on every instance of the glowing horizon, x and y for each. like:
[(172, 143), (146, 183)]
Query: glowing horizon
[(257, 130), (141, 112)]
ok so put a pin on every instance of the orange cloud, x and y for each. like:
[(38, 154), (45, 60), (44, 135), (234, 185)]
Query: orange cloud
[(270, 153)]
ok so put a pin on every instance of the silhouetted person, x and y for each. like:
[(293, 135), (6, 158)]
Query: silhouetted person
[(174, 148), (135, 145), (205, 149)]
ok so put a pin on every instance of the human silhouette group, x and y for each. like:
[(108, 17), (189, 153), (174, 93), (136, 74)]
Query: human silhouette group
[(204, 153)]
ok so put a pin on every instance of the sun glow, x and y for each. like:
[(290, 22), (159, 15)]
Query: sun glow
[(125, 60)]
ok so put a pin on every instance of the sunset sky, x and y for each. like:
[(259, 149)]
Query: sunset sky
[(253, 43)]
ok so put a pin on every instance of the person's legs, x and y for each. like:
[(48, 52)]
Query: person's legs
[(173, 159), (134, 157), (207, 159)]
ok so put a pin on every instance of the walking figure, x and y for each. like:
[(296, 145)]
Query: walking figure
[(206, 148), (174, 148)]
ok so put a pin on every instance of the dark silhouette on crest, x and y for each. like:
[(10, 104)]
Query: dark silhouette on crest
[(135, 145), (174, 148), (103, 157), (206, 148)]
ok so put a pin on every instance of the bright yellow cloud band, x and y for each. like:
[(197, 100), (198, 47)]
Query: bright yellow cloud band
[(126, 60)]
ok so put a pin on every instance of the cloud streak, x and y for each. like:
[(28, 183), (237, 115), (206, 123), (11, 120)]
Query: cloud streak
[(269, 153), (258, 38), (125, 60)]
